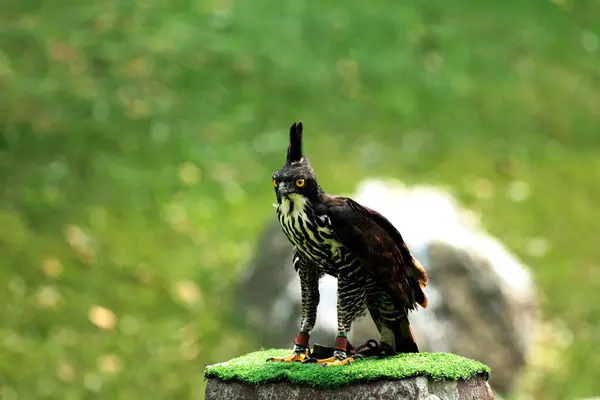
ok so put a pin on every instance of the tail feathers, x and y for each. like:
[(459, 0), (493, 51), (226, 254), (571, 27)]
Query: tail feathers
[(418, 274), (399, 335), (420, 298)]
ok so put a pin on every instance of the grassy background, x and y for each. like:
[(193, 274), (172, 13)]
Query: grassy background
[(137, 141)]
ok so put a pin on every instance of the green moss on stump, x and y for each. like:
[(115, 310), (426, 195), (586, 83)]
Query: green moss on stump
[(254, 369)]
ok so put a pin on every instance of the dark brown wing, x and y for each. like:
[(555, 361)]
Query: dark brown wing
[(372, 238)]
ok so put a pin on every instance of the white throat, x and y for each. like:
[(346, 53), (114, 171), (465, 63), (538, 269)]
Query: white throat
[(299, 205)]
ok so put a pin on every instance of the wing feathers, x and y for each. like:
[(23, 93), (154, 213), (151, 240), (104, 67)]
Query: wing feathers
[(373, 238)]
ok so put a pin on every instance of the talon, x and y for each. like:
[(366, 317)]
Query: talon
[(294, 357), (337, 363), (340, 355), (325, 360)]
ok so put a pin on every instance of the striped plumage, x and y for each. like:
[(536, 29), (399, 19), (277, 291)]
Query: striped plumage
[(318, 251), (335, 235)]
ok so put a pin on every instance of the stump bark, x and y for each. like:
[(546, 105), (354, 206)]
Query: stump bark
[(416, 388)]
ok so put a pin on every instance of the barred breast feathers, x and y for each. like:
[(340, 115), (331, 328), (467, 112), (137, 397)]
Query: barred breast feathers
[(311, 233)]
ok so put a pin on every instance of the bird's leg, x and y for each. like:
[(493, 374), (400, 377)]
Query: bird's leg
[(387, 341), (340, 357), (309, 285), (398, 337), (301, 351), (345, 317)]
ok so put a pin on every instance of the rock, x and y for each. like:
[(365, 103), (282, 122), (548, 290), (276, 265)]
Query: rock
[(483, 302), (418, 388)]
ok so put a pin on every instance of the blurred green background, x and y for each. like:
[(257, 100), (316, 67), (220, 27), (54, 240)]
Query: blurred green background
[(137, 142)]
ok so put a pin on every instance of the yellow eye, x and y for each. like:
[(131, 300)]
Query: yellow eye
[(300, 182), (275, 182)]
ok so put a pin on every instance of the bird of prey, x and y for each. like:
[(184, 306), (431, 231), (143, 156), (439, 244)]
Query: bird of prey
[(336, 235)]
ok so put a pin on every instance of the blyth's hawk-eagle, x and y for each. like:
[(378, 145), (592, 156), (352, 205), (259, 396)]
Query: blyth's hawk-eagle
[(336, 235)]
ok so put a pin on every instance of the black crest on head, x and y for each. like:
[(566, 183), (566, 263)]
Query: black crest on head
[(294, 153)]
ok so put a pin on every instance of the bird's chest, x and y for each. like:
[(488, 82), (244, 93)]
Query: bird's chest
[(311, 234)]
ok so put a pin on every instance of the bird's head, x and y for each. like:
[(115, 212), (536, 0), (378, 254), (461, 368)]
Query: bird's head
[(296, 177)]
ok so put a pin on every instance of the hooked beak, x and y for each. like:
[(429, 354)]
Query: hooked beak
[(282, 191)]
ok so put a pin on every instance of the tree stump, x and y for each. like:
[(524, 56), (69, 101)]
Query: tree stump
[(423, 376)]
